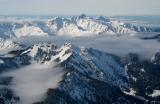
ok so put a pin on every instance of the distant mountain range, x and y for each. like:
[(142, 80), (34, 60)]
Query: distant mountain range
[(71, 26)]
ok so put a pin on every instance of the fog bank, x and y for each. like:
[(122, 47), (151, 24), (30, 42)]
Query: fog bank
[(118, 45), (31, 83)]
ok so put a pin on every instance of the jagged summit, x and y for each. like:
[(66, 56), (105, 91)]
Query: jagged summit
[(82, 16), (102, 18)]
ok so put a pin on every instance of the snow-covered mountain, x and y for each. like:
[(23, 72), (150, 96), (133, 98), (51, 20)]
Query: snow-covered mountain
[(77, 62), (72, 26), (85, 61), (91, 76), (83, 25)]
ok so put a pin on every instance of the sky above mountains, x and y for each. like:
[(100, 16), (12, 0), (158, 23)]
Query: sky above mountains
[(76, 7)]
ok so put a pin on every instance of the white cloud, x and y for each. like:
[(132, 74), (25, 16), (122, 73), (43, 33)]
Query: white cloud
[(31, 82)]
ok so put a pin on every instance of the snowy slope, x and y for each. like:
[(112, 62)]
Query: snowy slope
[(97, 65)]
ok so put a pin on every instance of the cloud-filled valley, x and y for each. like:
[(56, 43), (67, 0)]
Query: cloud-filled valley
[(31, 82)]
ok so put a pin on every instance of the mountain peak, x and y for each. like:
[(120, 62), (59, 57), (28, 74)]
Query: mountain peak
[(82, 16), (103, 19), (49, 52)]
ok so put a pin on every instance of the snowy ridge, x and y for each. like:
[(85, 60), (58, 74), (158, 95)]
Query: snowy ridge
[(98, 65), (48, 53)]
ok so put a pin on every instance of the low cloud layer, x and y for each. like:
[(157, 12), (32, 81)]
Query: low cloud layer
[(118, 45), (31, 83)]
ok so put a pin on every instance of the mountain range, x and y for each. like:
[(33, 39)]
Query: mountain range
[(71, 26), (91, 76)]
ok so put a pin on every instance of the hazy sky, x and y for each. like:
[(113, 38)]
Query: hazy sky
[(64, 7)]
